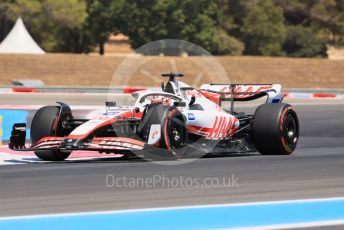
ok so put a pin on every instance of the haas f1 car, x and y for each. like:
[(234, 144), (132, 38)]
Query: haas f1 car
[(172, 122)]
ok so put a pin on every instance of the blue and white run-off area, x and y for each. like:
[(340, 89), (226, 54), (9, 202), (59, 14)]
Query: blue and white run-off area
[(259, 215)]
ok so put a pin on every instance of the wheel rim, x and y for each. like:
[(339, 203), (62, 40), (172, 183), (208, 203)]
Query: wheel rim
[(176, 134), (290, 131)]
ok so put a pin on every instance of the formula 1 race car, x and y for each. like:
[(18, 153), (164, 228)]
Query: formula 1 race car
[(172, 122)]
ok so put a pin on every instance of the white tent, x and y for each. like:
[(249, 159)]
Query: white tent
[(20, 41)]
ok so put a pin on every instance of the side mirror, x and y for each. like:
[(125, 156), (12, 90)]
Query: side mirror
[(110, 103), (179, 103), (193, 100)]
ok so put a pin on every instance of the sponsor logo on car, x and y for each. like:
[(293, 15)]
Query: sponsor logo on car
[(191, 117), (110, 113)]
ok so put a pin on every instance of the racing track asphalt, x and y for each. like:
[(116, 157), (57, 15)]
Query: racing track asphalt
[(316, 170)]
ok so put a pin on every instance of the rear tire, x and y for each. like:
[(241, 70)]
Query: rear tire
[(275, 129), (47, 122)]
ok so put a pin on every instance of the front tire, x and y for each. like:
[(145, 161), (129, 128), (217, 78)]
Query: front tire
[(47, 122), (275, 129), (173, 139), (174, 132)]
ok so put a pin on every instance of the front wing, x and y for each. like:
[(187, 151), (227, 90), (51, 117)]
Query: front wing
[(101, 144), (18, 135), (97, 144)]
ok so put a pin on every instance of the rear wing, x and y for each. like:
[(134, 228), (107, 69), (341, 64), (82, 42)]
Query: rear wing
[(244, 92)]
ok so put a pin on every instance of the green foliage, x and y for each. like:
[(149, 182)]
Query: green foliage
[(99, 23), (325, 17), (263, 29), (200, 22), (75, 40), (143, 21), (301, 42), (252, 27), (47, 20), (5, 23), (226, 44)]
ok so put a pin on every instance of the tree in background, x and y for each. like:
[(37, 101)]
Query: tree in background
[(209, 29), (49, 20), (95, 29), (5, 23), (201, 22), (302, 42), (263, 29), (324, 17), (143, 21), (253, 27), (99, 22)]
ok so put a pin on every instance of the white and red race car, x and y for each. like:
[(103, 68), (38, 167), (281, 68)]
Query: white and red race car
[(172, 122)]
